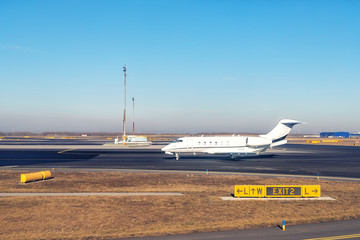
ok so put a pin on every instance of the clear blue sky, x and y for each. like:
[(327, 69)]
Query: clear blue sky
[(193, 66)]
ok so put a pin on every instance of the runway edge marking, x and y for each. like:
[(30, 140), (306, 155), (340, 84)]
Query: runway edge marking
[(67, 150), (336, 237)]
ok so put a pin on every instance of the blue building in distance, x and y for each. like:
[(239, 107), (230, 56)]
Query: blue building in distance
[(339, 135), (335, 134)]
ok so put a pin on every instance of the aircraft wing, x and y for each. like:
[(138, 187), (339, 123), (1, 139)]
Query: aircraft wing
[(232, 151)]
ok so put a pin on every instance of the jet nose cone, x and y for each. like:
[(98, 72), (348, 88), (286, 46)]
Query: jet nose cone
[(165, 148)]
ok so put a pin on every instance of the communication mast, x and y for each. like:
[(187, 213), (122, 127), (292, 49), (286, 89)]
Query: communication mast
[(131, 139), (133, 100), (124, 134)]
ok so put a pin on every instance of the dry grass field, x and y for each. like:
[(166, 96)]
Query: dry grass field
[(199, 210)]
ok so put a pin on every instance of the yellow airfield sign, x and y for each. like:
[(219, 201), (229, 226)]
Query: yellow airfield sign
[(311, 191), (249, 191), (277, 191)]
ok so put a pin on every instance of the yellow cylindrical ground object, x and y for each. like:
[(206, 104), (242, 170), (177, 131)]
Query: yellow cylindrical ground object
[(35, 176)]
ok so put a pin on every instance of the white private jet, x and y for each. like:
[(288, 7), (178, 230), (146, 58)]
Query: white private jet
[(235, 146)]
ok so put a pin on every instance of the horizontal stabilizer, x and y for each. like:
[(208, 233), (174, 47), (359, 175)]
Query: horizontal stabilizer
[(275, 144)]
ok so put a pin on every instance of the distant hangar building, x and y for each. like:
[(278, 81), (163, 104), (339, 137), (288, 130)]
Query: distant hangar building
[(335, 134), (339, 135)]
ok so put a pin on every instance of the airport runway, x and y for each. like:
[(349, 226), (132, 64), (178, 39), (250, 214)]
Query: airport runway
[(293, 159)]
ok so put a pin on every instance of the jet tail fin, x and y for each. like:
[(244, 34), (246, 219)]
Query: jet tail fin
[(281, 130)]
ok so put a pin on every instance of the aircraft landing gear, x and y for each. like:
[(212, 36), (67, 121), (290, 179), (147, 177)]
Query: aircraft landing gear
[(176, 156)]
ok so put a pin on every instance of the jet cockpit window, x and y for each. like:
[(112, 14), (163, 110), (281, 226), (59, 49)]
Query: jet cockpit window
[(177, 140)]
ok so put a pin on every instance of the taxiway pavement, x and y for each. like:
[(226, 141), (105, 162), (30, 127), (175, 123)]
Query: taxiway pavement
[(290, 159)]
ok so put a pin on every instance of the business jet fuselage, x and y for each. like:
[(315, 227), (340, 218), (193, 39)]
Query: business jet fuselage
[(235, 146)]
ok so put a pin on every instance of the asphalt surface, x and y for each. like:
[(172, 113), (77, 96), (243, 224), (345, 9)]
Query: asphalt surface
[(321, 231), (290, 159)]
